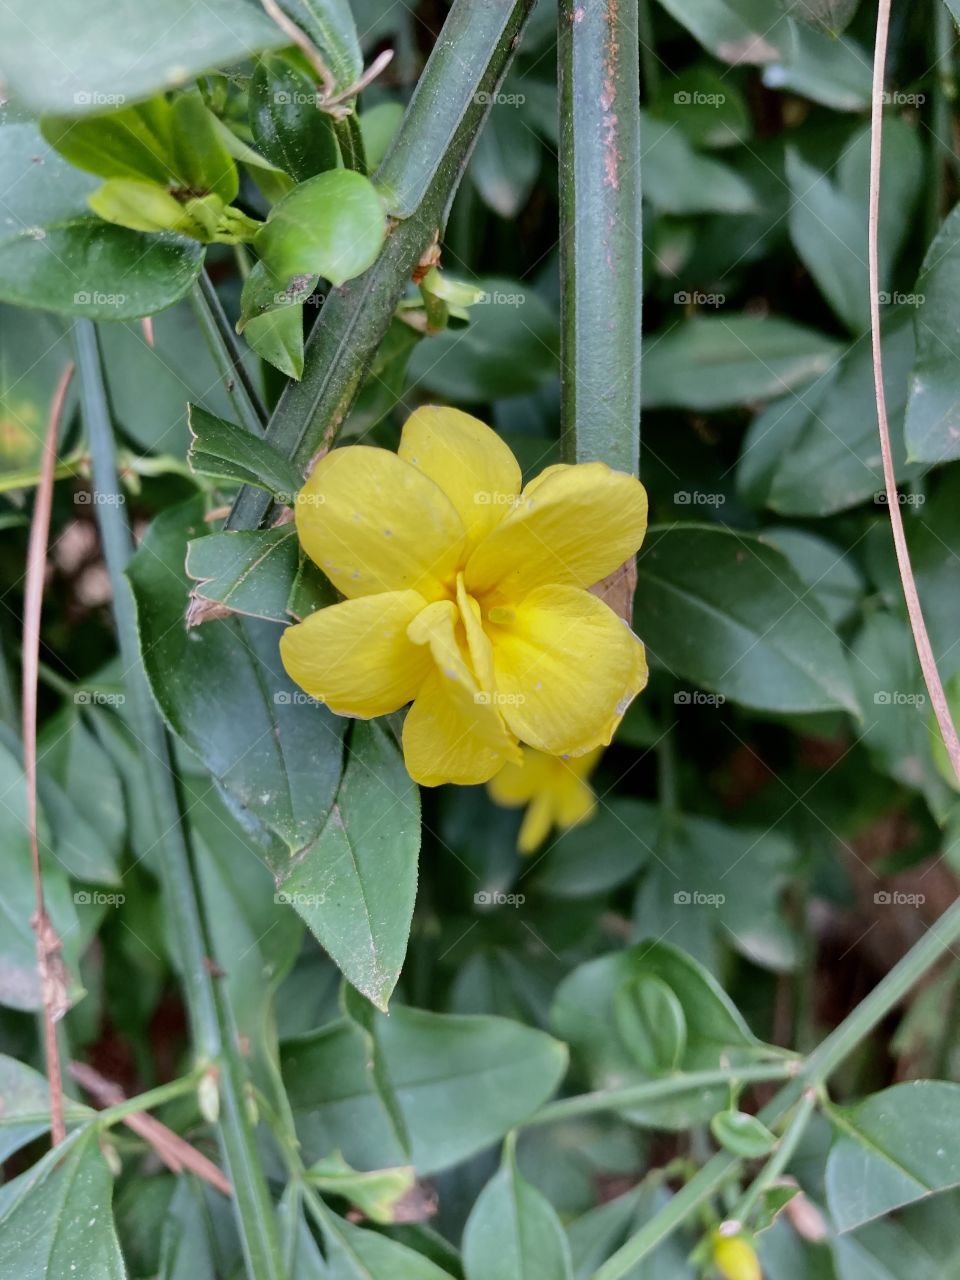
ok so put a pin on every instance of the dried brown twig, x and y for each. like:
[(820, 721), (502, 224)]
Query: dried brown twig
[(921, 639), (53, 975)]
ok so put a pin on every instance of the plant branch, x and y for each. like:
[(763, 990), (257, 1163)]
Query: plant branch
[(226, 356), (50, 965), (208, 1008), (918, 626)]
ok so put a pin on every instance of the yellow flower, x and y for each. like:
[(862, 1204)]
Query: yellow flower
[(554, 788), (468, 597), (735, 1258)]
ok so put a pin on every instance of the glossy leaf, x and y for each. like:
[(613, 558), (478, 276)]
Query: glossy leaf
[(277, 337), (356, 886), (932, 426), (354, 1253), (57, 254), (742, 1134), (249, 572), (222, 449), (287, 126), (892, 1149), (727, 611), (460, 1082), (514, 1233), (332, 225)]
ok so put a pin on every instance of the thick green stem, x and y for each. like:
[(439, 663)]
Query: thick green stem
[(601, 244), (355, 318), (226, 355), (210, 1017), (939, 939), (657, 1090)]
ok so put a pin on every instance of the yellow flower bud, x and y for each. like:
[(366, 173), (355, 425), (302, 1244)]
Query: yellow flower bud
[(735, 1258)]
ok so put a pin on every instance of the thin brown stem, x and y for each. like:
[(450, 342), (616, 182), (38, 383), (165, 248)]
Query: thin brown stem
[(921, 639), (53, 986)]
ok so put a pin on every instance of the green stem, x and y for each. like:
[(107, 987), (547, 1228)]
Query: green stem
[(355, 318), (657, 1090), (825, 1059), (350, 139), (648, 57), (208, 1010), (226, 356), (601, 250), (780, 1158), (149, 1100)]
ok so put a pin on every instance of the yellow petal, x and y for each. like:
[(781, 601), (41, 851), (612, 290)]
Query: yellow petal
[(448, 736), (573, 525), (573, 798), (374, 523), (516, 784), (356, 656), (469, 461), (536, 824), (478, 642), (566, 670), (454, 731)]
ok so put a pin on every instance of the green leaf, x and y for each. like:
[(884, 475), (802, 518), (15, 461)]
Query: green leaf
[(471, 32), (332, 225), (222, 449), (330, 25), (124, 142), (356, 1254), (513, 1232), (829, 574), (893, 1148), (828, 217), (651, 1023), (203, 163), (186, 1242), (678, 180), (375, 1193), (508, 349), (57, 254), (461, 1083), (505, 161), (248, 572), (817, 452), (112, 52), (275, 754), (714, 362), (33, 354), (727, 611), (602, 853), (707, 107), (277, 337), (56, 1220), (26, 1106), (356, 886), (286, 125), (832, 70), (143, 206), (584, 1014), (932, 426), (735, 30), (742, 1134), (83, 799)]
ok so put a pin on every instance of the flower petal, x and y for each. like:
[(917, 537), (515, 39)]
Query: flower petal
[(453, 732), (573, 525), (567, 669), (516, 784), (574, 800), (356, 656), (373, 523), (468, 460), (536, 825)]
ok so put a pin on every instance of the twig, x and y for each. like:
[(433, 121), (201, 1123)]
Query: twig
[(175, 1152), (303, 43), (928, 662), (53, 978)]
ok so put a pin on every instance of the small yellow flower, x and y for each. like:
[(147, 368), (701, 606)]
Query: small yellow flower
[(735, 1258), (554, 789), (467, 597)]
